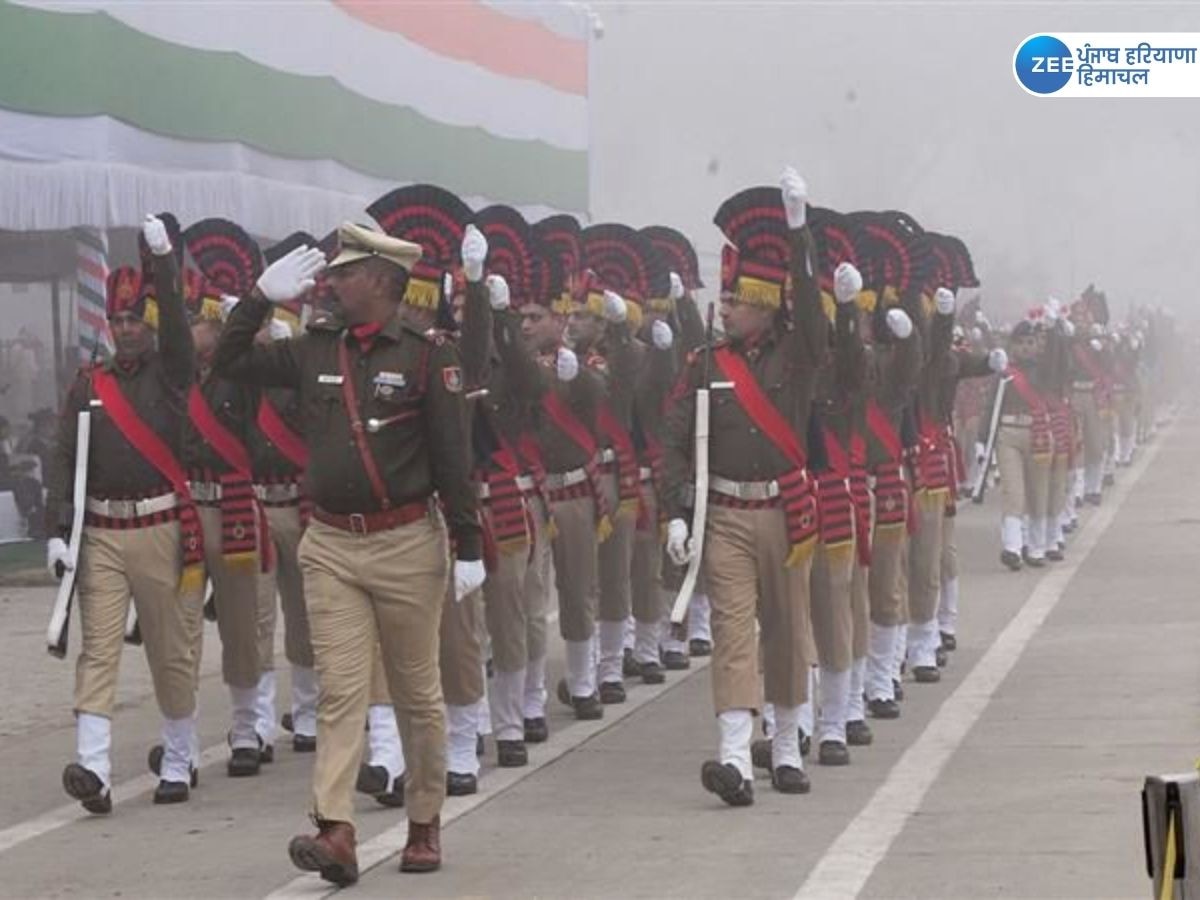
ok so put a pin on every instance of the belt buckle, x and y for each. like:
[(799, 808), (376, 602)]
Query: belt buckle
[(358, 523), (744, 491), (121, 509)]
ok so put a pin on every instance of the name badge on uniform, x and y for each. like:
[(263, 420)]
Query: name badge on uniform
[(387, 383), (323, 378)]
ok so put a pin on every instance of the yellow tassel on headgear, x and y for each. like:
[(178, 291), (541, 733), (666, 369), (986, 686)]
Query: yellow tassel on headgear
[(757, 292), (423, 294)]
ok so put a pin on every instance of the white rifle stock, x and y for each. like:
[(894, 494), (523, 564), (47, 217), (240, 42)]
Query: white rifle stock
[(980, 488), (60, 616)]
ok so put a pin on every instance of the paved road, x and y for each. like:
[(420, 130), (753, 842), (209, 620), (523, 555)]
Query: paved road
[(1017, 776)]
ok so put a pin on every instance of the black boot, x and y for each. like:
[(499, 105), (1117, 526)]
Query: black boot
[(727, 783)]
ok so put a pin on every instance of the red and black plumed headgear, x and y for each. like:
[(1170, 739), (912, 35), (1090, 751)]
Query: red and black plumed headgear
[(559, 244), (227, 261), (510, 249), (678, 254), (620, 259), (755, 262)]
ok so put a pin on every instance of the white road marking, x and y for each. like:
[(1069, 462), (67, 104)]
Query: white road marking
[(389, 843), (846, 866)]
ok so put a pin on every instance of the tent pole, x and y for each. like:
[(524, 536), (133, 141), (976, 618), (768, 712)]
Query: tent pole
[(56, 325)]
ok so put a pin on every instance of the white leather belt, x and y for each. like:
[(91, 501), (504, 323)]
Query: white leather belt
[(1020, 420), (1083, 385), (557, 481), (607, 455), (276, 493), (645, 473), (130, 509), (205, 491), (744, 490), (525, 484)]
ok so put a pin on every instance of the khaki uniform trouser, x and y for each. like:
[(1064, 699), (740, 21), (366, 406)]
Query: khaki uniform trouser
[(1058, 486), (649, 599), (1025, 482), (925, 557), (831, 590), (235, 595), (949, 563), (1095, 434), (286, 579), (744, 554), (389, 589), (515, 596), (885, 585), (145, 563), (460, 651), (860, 610), (1125, 407), (615, 559), (575, 560)]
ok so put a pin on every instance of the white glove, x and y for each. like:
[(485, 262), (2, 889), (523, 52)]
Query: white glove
[(614, 308), (1134, 343), (980, 452), (566, 366), (1068, 327), (155, 233), (1097, 329), (279, 330), (498, 292), (474, 252), (291, 276), (795, 197), (679, 548), (899, 322), (944, 300), (676, 287), (977, 335), (660, 333), (847, 283), (998, 360), (1096, 345), (468, 577), (228, 302), (56, 549), (980, 318), (1051, 310)]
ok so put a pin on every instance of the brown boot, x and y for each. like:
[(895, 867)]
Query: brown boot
[(423, 852), (330, 851)]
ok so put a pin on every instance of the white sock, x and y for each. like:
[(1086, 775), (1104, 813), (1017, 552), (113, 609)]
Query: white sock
[(264, 707), (629, 641), (383, 739), (645, 645), (484, 709), (535, 689), (699, 618), (243, 734), (899, 651), (881, 650), (948, 606), (807, 715), (304, 701), (462, 729), (833, 705), (922, 644), (736, 727), (855, 707), (1011, 534), (93, 745), (178, 736), (785, 745), (612, 650), (507, 701), (768, 718), (581, 669)]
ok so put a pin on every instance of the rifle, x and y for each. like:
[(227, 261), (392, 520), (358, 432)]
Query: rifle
[(980, 489), (60, 616)]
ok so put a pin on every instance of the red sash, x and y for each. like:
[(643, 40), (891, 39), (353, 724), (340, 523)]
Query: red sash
[(932, 471), (568, 423), (241, 540), (1061, 429), (1042, 445), (1103, 384), (158, 454), (286, 441), (628, 484), (883, 429), (892, 501), (799, 502)]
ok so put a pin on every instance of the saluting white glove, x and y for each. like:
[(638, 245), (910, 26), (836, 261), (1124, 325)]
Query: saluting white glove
[(474, 252), (998, 360), (977, 334), (1096, 345), (566, 365), (679, 548), (228, 302), (899, 323), (660, 333), (468, 577), (155, 233), (943, 298), (614, 307), (1051, 310), (57, 554), (292, 275), (795, 197), (1068, 327), (498, 293), (676, 287), (847, 283)]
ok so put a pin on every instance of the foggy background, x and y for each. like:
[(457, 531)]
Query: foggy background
[(908, 105)]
